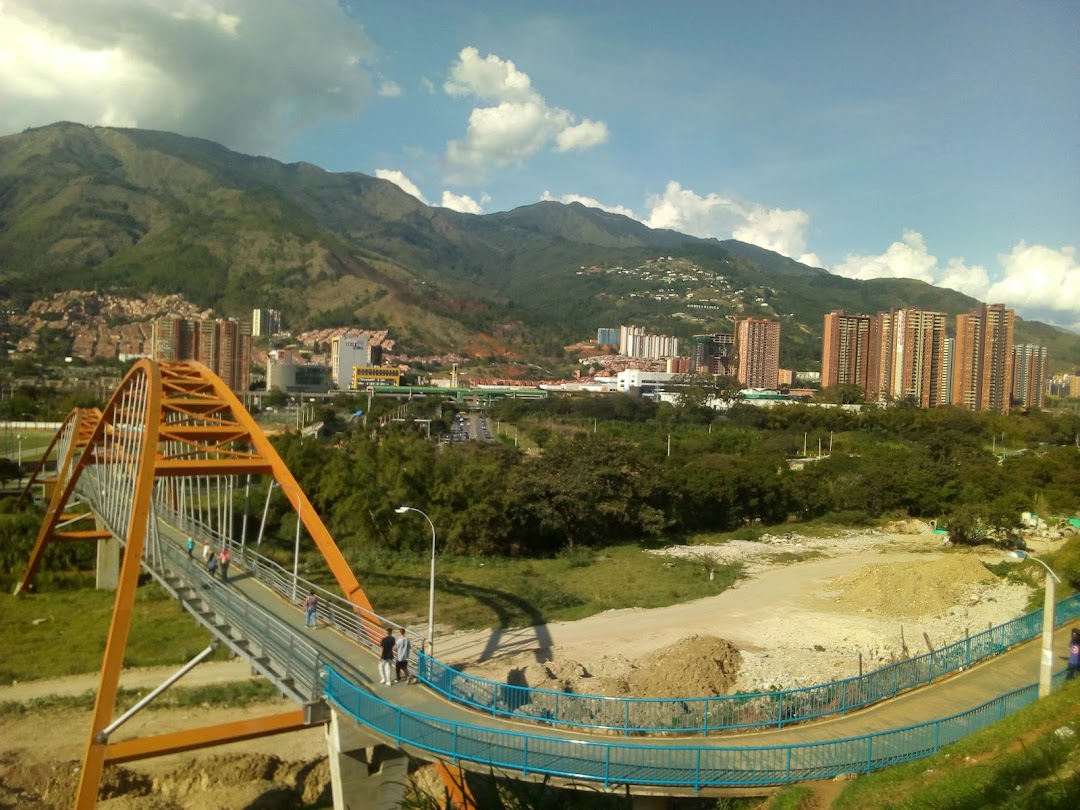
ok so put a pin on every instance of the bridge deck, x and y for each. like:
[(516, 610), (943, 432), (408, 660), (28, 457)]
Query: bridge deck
[(1013, 669)]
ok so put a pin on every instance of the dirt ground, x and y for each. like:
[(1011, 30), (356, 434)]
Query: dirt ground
[(806, 612), (791, 623)]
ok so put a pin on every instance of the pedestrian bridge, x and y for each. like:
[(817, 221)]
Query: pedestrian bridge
[(175, 455)]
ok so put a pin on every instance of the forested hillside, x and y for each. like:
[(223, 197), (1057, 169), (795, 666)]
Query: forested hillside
[(133, 211)]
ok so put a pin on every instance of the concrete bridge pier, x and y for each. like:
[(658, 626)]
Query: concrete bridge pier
[(364, 774), (108, 561)]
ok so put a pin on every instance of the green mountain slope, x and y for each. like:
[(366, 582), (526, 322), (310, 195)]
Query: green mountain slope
[(127, 210)]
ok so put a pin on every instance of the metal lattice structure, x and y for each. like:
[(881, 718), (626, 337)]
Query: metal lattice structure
[(173, 438)]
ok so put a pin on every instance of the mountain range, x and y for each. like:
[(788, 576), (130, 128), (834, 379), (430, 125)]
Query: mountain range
[(131, 211)]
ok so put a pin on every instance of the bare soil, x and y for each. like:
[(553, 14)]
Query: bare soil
[(807, 611), (811, 610)]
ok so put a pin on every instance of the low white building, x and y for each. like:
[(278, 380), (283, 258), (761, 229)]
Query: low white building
[(636, 378)]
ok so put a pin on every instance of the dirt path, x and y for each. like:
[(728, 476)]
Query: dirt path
[(204, 674)]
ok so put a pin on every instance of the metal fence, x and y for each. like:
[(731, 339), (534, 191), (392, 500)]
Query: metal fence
[(628, 715), (693, 766), (357, 623)]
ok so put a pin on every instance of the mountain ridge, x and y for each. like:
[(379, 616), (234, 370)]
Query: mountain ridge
[(141, 210)]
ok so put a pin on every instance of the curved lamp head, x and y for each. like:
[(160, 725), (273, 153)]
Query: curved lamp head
[(401, 510), (1020, 555)]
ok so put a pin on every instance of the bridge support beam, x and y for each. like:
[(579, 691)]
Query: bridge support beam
[(639, 802), (107, 571), (364, 774)]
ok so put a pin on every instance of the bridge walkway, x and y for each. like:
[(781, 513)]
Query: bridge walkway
[(954, 694)]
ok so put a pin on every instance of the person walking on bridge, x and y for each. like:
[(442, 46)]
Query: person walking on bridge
[(310, 604), (212, 564), (402, 650), (206, 551), (224, 559), (190, 547), (386, 660)]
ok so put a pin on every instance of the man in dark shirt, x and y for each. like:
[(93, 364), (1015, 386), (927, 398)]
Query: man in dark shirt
[(386, 661)]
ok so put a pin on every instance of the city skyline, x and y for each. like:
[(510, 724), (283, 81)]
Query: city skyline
[(871, 140)]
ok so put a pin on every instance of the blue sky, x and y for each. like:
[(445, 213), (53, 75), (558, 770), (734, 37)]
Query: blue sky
[(931, 140)]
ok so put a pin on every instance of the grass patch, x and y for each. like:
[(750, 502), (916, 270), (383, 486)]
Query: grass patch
[(235, 694), (792, 798), (1019, 762), (478, 592), (49, 635)]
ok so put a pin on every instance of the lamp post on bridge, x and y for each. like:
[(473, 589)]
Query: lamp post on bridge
[(401, 510), (1046, 665), (296, 544)]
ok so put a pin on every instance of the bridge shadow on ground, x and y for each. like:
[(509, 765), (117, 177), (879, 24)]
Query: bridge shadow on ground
[(503, 640)]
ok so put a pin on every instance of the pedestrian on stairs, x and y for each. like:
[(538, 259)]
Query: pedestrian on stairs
[(212, 564), (206, 551), (190, 547), (225, 558)]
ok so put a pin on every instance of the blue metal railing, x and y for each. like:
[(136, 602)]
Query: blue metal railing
[(694, 766), (710, 714)]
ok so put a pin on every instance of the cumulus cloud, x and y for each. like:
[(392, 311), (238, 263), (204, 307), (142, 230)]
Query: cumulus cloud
[(1040, 282), (245, 73), (389, 89), (724, 217), (585, 135), (517, 123), (401, 181), (589, 202), (461, 202)]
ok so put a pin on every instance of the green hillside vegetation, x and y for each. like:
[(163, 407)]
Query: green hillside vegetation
[(127, 210)]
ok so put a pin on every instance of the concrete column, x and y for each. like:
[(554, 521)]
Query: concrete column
[(364, 774), (639, 802), (108, 561)]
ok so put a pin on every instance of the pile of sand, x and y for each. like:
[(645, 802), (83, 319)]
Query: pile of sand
[(908, 526), (914, 589), (694, 666)]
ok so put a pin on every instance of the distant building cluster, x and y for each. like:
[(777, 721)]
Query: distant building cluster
[(906, 354), (634, 341), (224, 346)]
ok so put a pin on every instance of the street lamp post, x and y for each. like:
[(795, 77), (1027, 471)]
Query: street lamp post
[(401, 510), (1046, 666), (296, 545)]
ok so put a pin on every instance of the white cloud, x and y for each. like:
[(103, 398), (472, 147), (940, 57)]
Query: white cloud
[(1040, 282), (461, 202), (401, 181), (518, 122), (389, 89), (489, 79), (585, 135), (724, 217), (590, 202), (245, 73), (907, 258), (427, 85)]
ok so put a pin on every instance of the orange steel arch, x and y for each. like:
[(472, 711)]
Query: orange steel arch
[(190, 408), (79, 426)]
